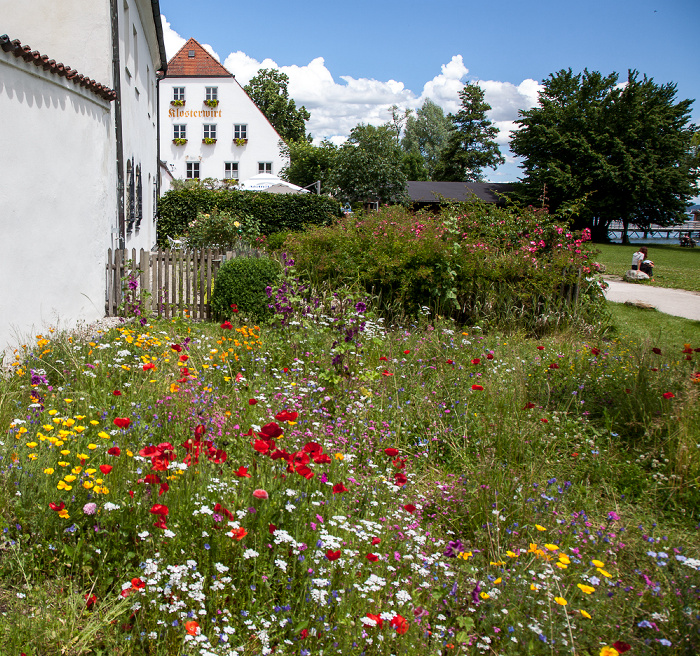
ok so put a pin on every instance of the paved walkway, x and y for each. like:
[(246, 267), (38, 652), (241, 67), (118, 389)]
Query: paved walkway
[(677, 302)]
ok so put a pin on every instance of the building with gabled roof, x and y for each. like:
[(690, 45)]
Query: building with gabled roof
[(210, 127)]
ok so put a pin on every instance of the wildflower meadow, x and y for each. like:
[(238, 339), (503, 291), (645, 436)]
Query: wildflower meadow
[(327, 483)]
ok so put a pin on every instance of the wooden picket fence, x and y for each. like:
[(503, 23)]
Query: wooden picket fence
[(171, 282)]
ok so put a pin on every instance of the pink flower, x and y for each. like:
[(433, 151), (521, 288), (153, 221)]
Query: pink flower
[(260, 494)]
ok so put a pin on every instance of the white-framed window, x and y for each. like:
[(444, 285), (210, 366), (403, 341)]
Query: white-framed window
[(265, 167), (240, 131), (212, 93), (192, 170), (210, 131), (178, 93), (179, 131), (230, 170)]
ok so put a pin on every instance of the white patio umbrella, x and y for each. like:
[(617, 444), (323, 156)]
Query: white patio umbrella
[(264, 182)]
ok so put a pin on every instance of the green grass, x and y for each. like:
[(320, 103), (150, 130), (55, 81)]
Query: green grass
[(652, 326), (674, 267)]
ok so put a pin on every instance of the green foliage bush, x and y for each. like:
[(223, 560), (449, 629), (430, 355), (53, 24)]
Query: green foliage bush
[(473, 262), (274, 212), (243, 281), (222, 229)]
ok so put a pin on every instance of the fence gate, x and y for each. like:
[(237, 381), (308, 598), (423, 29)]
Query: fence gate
[(166, 283)]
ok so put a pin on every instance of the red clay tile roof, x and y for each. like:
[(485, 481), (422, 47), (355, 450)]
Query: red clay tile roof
[(25, 52), (201, 65)]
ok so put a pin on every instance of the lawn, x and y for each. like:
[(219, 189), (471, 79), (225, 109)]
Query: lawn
[(184, 488), (675, 267)]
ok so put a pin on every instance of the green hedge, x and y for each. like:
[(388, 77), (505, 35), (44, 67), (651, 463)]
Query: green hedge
[(275, 212)]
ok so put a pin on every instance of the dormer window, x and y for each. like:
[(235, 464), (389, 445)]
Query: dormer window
[(190, 54)]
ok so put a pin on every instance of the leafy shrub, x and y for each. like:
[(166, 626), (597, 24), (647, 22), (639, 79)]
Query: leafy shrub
[(242, 281), (274, 212), (222, 229)]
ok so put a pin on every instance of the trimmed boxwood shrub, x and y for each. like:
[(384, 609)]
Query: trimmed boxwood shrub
[(243, 281), (275, 212)]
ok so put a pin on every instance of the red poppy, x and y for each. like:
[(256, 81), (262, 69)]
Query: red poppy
[(164, 487), (303, 634), (689, 357), (489, 356), (407, 351), (377, 619), (383, 358), (654, 369), (540, 348), (226, 325), (399, 623), (148, 366), (238, 533), (184, 358), (271, 528), (400, 479), (333, 555), (176, 347), (160, 523), (286, 369), (322, 458), (192, 627), (262, 446), (528, 406), (628, 390), (621, 647), (304, 471), (554, 365), (90, 601), (122, 422), (234, 308), (574, 455), (449, 361), (391, 452), (242, 472), (409, 507), (544, 421), (159, 509), (105, 469), (399, 463), (270, 431), (285, 415), (656, 350), (116, 393), (595, 351), (339, 488), (252, 401), (114, 451), (312, 448), (138, 584), (372, 557), (386, 373), (218, 457), (375, 541), (150, 451), (687, 349), (477, 388), (57, 506), (668, 395), (476, 361), (261, 494)]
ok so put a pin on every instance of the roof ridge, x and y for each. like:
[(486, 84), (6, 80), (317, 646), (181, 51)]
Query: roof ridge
[(181, 65)]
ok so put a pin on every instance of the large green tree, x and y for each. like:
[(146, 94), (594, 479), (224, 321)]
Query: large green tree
[(368, 167), (470, 145), (309, 163), (608, 151), (268, 90), (426, 133)]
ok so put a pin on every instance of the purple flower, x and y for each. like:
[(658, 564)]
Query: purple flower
[(613, 516), (90, 508), (453, 548), (361, 307), (475, 594)]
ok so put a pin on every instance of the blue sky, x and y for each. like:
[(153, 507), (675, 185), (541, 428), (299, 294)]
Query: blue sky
[(349, 63)]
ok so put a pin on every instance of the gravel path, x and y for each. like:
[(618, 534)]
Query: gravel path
[(677, 302)]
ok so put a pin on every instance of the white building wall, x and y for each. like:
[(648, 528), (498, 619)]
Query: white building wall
[(56, 190), (235, 108)]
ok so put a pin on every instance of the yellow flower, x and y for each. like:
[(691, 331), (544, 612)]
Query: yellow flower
[(87, 484), (79, 429), (603, 572), (597, 563), (92, 447), (69, 479), (32, 445), (105, 490), (540, 528), (609, 651), (497, 581), (551, 547), (49, 471), (68, 400), (464, 555), (483, 595), (585, 614), (534, 586), (62, 485), (94, 423), (103, 435), (53, 412), (129, 453), (65, 452), (586, 588), (76, 470), (174, 388), (561, 565), (90, 471), (560, 600), (564, 559), (80, 417), (69, 422), (82, 456), (32, 456), (97, 489), (63, 514), (63, 463), (339, 456), (498, 563), (510, 554)]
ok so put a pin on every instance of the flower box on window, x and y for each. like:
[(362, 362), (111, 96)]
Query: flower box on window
[(177, 103), (211, 103), (179, 142), (208, 140), (240, 142)]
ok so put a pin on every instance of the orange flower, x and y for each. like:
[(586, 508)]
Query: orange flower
[(192, 628), (238, 533)]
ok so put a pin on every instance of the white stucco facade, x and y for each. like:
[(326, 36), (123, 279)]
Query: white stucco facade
[(62, 179), (246, 143)]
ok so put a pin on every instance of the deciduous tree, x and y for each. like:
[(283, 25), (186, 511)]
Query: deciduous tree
[(426, 133), (309, 163), (615, 151)]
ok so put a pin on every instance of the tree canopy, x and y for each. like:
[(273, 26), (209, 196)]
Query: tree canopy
[(268, 90), (426, 133), (612, 151), (368, 166), (309, 163), (470, 145)]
